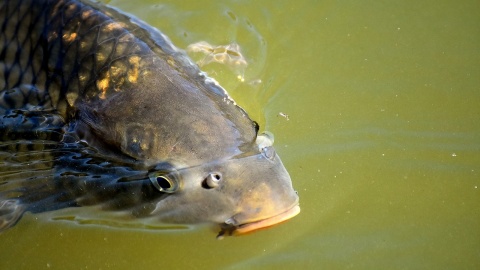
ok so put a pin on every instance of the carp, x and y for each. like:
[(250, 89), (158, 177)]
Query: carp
[(99, 108)]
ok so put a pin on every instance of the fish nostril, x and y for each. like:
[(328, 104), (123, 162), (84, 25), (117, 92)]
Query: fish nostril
[(212, 181)]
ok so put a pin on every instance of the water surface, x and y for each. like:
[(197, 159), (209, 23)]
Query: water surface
[(382, 140)]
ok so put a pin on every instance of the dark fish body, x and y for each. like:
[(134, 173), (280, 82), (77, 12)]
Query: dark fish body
[(108, 92)]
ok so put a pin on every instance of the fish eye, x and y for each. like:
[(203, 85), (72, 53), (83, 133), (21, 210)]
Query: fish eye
[(268, 152), (164, 183), (212, 180)]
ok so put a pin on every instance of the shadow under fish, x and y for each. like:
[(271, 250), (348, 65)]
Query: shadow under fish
[(98, 108)]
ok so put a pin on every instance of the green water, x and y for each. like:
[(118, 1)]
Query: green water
[(382, 141)]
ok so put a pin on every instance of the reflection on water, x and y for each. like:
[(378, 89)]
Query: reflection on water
[(382, 140)]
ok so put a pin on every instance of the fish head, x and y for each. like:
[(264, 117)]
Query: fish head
[(201, 150), (241, 193)]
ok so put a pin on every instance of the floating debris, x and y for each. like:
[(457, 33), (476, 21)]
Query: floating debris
[(229, 55), (284, 115)]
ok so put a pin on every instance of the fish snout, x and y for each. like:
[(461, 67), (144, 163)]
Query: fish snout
[(264, 207)]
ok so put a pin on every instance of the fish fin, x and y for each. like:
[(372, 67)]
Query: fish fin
[(26, 124), (24, 96), (10, 213), (27, 110)]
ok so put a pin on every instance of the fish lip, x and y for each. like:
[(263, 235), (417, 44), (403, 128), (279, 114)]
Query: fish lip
[(268, 222)]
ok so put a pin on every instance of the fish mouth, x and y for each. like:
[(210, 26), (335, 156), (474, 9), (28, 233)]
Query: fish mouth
[(263, 223), (260, 224)]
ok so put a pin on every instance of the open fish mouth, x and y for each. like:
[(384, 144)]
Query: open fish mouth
[(260, 224)]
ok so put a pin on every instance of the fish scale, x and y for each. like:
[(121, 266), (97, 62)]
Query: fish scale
[(63, 56)]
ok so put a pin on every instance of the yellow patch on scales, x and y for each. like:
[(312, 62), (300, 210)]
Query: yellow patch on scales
[(134, 69)]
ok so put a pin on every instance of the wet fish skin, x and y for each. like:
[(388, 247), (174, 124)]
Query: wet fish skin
[(119, 84), (69, 50)]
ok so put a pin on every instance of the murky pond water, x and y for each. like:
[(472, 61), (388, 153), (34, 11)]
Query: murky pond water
[(382, 140)]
